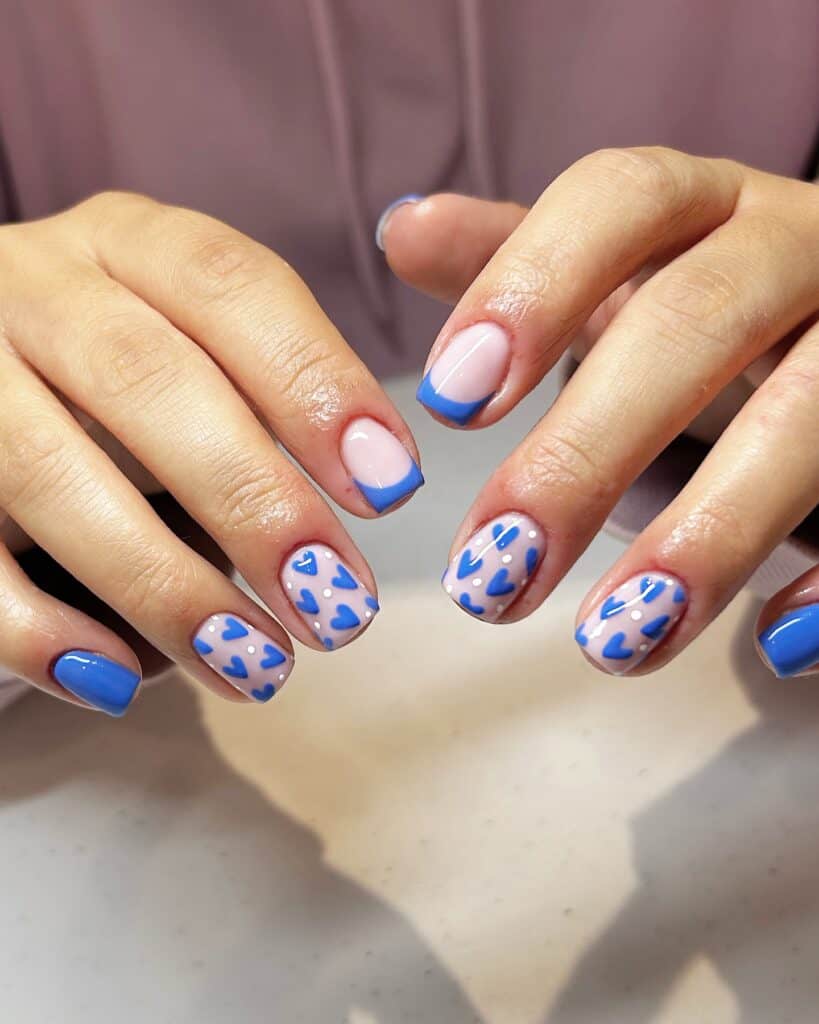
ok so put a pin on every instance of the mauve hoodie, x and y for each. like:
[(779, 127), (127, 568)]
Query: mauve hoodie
[(297, 122)]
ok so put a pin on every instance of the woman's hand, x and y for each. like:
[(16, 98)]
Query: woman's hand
[(189, 344), (697, 270)]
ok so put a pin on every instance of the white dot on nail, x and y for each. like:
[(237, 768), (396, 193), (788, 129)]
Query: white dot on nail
[(327, 592), (328, 554), (670, 582), (317, 625), (477, 581), (289, 586), (636, 615), (211, 629), (281, 677), (368, 615), (449, 588), (597, 631), (479, 541), (506, 559), (251, 649), (532, 534), (643, 647)]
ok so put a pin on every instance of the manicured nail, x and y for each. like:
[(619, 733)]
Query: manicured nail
[(99, 681), (498, 561), (381, 226), (791, 644), (467, 373), (243, 656), (381, 467), (623, 630), (331, 599)]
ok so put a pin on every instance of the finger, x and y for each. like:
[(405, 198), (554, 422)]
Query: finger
[(61, 651), (729, 517), (256, 318), (678, 341), (594, 227), (439, 244), (788, 628), (75, 504), (173, 408)]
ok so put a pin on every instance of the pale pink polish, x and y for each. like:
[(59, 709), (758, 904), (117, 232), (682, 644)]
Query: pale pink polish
[(382, 468), (469, 371)]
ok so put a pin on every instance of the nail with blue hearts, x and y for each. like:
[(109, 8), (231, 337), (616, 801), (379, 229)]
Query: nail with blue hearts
[(101, 682), (634, 620), (245, 657), (491, 571), (467, 374), (383, 220), (381, 467), (791, 644), (327, 594)]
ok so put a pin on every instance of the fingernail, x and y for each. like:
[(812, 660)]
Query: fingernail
[(381, 467), (496, 564), (791, 644), (467, 373), (99, 681), (625, 628), (381, 226), (243, 656), (328, 595)]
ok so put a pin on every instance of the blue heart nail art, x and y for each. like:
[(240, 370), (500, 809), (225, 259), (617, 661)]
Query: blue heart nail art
[(235, 630), (499, 584), (466, 602), (651, 589), (345, 619), (265, 694), (531, 560), (371, 603), (614, 648), (611, 606), (274, 657), (236, 669), (201, 646), (580, 636), (306, 564), (502, 537), (467, 565), (308, 603), (655, 628), (679, 595), (344, 580)]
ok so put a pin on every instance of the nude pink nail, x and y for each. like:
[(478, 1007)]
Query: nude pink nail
[(243, 656), (466, 375), (382, 468)]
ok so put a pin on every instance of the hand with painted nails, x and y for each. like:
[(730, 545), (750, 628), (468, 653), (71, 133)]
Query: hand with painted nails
[(197, 349), (706, 270)]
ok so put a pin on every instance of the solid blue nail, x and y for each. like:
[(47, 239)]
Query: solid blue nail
[(99, 681), (791, 644)]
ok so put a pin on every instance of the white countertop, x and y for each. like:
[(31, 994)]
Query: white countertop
[(445, 822)]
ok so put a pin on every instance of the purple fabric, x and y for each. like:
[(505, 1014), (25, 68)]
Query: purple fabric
[(298, 122)]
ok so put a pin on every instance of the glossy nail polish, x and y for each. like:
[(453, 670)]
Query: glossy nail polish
[(497, 562), (388, 211), (99, 681), (467, 373), (242, 655), (327, 594), (791, 644), (382, 468), (625, 628)]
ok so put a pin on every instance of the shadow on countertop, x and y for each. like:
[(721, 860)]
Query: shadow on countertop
[(727, 869), (250, 922)]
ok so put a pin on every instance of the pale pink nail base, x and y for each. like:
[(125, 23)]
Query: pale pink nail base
[(490, 572), (243, 656), (382, 468), (327, 594), (633, 621)]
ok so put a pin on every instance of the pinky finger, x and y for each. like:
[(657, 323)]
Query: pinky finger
[(59, 649), (788, 628)]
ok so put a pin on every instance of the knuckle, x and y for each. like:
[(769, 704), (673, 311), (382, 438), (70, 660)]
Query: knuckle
[(653, 170), (133, 360), (716, 534), (220, 265), (160, 587), (308, 372), (103, 206), (568, 460), (251, 497), (33, 462)]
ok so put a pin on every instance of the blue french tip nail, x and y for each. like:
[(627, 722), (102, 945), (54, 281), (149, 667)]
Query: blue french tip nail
[(791, 644), (410, 197), (99, 681), (382, 498), (458, 412)]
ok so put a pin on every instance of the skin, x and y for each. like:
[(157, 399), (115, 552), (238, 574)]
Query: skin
[(681, 280), (188, 347)]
